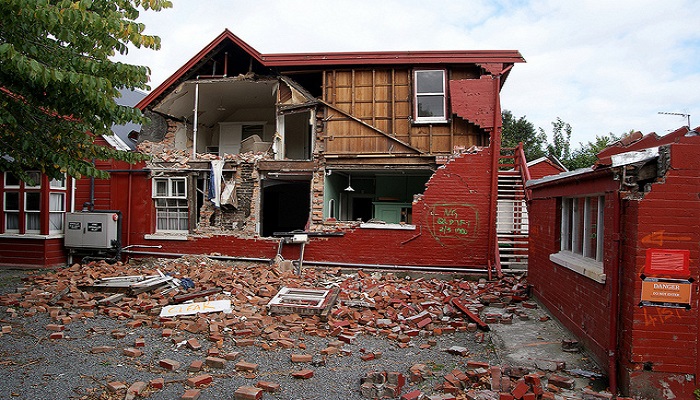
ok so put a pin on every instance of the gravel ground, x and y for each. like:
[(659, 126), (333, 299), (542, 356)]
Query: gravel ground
[(35, 367)]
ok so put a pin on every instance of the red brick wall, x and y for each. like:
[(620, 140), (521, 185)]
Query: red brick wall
[(658, 348), (580, 303), (663, 342), (451, 224)]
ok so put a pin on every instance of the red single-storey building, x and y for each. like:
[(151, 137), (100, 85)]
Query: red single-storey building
[(614, 255)]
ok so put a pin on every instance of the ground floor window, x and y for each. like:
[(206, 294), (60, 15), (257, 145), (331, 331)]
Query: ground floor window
[(36, 206), (582, 226), (172, 209)]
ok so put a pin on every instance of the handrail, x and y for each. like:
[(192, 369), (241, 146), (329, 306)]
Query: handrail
[(521, 163)]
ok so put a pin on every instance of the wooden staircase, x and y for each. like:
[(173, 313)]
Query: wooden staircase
[(512, 228)]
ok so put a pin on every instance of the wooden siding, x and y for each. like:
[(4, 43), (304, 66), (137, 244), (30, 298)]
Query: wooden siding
[(368, 107)]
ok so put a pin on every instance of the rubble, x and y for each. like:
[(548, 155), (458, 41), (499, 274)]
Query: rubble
[(236, 304)]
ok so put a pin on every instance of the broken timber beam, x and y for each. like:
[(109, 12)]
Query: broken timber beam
[(471, 315)]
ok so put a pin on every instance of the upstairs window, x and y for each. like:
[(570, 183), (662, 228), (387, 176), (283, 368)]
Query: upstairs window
[(170, 198), (430, 100)]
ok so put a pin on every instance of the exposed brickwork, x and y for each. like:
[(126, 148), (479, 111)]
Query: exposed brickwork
[(656, 344)]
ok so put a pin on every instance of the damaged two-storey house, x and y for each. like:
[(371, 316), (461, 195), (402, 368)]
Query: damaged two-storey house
[(358, 158)]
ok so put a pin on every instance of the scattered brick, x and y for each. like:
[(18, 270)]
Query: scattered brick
[(270, 387), (303, 374), (115, 387), (170, 365), (195, 366), (56, 335), (246, 366), (199, 380), (194, 344), (215, 362), (301, 358), (101, 349), (157, 383), (132, 352), (248, 393), (137, 388), (55, 327), (191, 394), (414, 395), (561, 382)]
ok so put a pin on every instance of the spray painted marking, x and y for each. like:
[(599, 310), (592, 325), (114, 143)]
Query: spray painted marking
[(453, 223)]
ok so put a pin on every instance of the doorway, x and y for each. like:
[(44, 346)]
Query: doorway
[(286, 205)]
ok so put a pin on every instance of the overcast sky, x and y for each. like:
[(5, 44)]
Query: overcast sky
[(602, 66)]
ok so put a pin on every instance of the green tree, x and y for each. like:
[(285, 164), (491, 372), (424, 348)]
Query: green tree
[(522, 130), (561, 141), (58, 85), (585, 155)]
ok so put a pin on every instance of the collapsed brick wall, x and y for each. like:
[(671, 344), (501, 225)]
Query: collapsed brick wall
[(660, 346), (236, 218)]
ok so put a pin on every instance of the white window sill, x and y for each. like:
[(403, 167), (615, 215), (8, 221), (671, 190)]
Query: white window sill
[(371, 225), (585, 266), (32, 236), (166, 236)]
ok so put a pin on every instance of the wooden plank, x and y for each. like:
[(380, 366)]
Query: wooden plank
[(475, 318)]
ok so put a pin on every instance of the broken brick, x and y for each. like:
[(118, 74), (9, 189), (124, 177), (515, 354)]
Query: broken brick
[(301, 358), (137, 388), (561, 382), (156, 383), (248, 393), (414, 395), (195, 366), (115, 387)]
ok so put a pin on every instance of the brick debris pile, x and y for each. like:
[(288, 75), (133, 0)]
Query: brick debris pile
[(388, 305)]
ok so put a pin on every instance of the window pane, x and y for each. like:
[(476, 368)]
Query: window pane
[(11, 179), (161, 187), (56, 202), (11, 201), (58, 183), (430, 82), (32, 201), (56, 222), (178, 188), (11, 221), (431, 106), (33, 222), (36, 177)]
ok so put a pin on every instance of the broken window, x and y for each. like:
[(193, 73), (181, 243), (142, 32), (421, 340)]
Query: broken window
[(430, 96), (170, 198)]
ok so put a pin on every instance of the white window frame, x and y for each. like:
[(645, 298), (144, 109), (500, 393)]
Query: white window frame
[(9, 212), (8, 186), (38, 180), (576, 250), (417, 95), (58, 183), (173, 195), (31, 213), (58, 214)]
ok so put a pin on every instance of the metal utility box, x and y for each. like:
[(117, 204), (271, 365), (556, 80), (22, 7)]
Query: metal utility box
[(92, 230)]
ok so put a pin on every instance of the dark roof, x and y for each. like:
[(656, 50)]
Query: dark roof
[(129, 98)]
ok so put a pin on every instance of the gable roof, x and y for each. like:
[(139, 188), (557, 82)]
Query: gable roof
[(338, 58)]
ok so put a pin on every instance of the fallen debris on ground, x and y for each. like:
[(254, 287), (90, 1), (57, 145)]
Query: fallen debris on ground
[(261, 306)]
